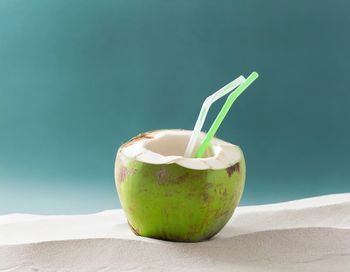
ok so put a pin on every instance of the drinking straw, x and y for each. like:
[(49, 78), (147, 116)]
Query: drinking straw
[(224, 110), (204, 111)]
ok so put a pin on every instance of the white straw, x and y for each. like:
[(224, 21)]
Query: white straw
[(204, 111)]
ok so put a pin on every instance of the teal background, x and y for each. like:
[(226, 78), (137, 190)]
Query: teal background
[(78, 78)]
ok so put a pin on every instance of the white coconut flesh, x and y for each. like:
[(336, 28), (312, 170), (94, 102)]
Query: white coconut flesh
[(168, 146)]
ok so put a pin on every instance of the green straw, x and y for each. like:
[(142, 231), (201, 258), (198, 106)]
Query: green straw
[(224, 110)]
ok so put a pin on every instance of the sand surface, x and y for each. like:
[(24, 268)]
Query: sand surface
[(303, 235)]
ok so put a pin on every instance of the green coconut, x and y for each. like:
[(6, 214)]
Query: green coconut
[(167, 196)]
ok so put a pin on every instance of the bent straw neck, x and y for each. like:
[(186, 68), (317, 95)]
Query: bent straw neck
[(204, 111), (224, 110)]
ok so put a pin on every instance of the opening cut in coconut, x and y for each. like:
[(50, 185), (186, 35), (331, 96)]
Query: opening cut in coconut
[(168, 146), (173, 145)]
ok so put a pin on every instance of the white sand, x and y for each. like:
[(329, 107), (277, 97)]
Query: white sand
[(304, 235)]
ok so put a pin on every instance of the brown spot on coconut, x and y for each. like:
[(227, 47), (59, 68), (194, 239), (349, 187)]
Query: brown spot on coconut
[(123, 172), (161, 175), (145, 135), (230, 170), (205, 197)]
